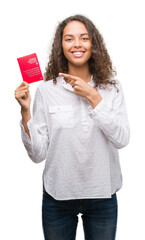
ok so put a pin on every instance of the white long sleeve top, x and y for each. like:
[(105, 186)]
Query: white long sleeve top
[(80, 144)]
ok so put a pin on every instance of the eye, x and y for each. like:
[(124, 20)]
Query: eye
[(85, 39), (68, 39)]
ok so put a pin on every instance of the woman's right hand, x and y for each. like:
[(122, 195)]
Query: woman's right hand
[(22, 95)]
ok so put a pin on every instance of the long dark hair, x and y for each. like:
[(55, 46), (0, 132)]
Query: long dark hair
[(100, 64)]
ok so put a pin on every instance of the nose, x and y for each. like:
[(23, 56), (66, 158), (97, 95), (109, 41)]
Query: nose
[(77, 43)]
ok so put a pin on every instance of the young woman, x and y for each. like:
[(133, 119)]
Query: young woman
[(79, 122)]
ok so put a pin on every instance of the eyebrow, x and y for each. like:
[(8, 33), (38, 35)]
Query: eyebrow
[(70, 35)]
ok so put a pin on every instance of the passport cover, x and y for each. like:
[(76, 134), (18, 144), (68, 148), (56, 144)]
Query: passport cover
[(30, 68)]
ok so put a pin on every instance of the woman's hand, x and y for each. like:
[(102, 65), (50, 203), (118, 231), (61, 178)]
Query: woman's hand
[(22, 95), (83, 89)]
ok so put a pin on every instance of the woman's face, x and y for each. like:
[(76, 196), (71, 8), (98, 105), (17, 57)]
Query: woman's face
[(76, 44)]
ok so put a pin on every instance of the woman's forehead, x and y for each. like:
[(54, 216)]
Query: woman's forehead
[(75, 28)]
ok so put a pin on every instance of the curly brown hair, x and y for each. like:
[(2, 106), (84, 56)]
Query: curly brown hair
[(100, 64)]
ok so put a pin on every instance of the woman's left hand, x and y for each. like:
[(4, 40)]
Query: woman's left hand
[(83, 89)]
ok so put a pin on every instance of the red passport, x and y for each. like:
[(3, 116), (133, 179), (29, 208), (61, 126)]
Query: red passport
[(30, 68)]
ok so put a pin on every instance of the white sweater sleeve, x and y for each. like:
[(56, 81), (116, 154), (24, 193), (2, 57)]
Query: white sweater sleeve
[(113, 121), (38, 144)]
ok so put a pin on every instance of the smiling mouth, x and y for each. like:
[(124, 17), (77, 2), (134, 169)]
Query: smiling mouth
[(78, 53)]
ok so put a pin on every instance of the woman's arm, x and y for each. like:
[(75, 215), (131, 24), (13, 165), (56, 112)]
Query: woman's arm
[(26, 116), (33, 129), (23, 97), (113, 121), (34, 132)]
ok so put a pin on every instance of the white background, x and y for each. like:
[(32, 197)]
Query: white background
[(28, 27)]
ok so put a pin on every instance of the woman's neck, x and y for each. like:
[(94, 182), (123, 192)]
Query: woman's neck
[(81, 72)]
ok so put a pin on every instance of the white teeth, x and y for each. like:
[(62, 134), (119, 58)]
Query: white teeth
[(77, 53)]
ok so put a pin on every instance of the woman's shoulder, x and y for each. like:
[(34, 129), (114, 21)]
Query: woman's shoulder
[(46, 85), (111, 85), (115, 84)]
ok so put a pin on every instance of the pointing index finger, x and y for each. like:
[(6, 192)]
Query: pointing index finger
[(68, 76)]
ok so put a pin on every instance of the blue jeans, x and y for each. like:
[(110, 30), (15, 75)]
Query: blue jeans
[(59, 218)]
